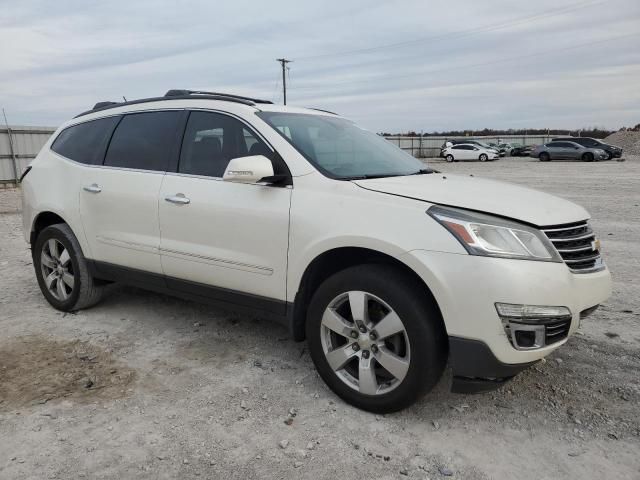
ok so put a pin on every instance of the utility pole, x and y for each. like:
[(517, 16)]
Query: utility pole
[(283, 62)]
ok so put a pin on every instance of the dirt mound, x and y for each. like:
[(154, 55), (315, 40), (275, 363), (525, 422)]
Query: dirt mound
[(35, 370), (628, 140)]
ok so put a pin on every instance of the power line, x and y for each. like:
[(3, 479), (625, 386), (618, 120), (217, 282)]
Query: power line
[(283, 61), (475, 65), (458, 34)]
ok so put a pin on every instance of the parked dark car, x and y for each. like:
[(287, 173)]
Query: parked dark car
[(521, 151), (612, 150), (567, 151)]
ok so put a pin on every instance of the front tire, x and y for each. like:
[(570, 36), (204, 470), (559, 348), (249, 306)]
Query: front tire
[(544, 157), (376, 337), (587, 157), (483, 157), (449, 158), (62, 270)]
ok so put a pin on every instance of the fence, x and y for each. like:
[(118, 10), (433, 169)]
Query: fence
[(18, 146), (430, 146)]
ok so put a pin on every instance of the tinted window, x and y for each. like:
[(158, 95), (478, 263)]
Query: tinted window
[(554, 145), (212, 140), (85, 143), (144, 141)]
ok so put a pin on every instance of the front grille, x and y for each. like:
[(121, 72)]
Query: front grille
[(576, 244)]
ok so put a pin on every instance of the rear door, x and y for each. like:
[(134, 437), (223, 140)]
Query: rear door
[(556, 151), (119, 198), (216, 233)]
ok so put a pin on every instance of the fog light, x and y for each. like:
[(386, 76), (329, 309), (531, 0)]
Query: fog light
[(530, 327)]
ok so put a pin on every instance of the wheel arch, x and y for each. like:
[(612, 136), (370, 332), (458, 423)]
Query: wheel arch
[(333, 261)]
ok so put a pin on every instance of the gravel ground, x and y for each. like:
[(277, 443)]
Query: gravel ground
[(149, 386)]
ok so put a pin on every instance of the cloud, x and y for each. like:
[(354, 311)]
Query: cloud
[(390, 65)]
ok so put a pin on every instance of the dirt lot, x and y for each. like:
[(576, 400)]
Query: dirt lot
[(147, 386)]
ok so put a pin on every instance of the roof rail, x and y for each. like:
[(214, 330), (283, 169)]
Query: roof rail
[(103, 104), (320, 110), (176, 95), (181, 93)]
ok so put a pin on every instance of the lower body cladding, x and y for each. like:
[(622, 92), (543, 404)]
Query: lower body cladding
[(503, 315)]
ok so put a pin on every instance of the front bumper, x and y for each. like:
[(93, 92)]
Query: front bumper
[(476, 369), (467, 287)]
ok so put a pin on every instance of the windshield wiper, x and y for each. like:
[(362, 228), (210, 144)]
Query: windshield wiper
[(369, 177), (425, 171), (422, 171)]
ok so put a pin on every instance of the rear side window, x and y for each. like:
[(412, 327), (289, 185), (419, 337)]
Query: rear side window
[(211, 140), (144, 141), (86, 142)]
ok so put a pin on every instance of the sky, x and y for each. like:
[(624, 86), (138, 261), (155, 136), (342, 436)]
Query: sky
[(391, 66)]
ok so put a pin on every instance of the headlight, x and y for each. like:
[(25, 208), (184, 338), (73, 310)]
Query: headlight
[(489, 236)]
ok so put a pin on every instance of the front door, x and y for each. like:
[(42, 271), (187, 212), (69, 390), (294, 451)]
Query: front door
[(216, 233)]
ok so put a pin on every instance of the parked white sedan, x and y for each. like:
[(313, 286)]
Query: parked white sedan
[(468, 151)]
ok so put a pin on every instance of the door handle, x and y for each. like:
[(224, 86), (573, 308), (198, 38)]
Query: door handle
[(178, 198), (93, 188)]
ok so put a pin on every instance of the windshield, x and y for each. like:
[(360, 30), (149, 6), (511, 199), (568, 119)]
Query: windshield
[(340, 149)]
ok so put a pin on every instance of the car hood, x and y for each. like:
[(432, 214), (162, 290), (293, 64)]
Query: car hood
[(481, 194)]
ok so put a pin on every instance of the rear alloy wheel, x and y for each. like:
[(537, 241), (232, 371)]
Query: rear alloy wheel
[(449, 158), (587, 157), (57, 269), (483, 157), (544, 157), (376, 337), (62, 271)]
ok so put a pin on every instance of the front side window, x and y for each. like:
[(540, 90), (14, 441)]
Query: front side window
[(340, 149), (86, 142), (211, 140), (143, 141)]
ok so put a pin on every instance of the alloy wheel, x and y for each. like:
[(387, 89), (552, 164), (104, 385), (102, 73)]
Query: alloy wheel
[(365, 343), (57, 269)]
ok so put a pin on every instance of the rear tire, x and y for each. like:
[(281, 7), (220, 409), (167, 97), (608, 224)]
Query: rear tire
[(483, 157), (587, 157), (449, 158), (544, 157), (62, 270), (398, 367)]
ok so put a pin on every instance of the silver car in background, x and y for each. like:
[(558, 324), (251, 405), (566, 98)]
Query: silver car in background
[(567, 151)]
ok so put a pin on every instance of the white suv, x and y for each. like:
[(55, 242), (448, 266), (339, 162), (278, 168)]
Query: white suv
[(390, 270)]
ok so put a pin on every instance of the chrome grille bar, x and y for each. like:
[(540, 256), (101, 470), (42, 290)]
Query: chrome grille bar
[(576, 243)]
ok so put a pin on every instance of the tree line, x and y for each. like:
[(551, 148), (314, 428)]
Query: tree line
[(594, 132)]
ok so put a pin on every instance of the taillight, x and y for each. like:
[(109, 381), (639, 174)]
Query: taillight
[(24, 174)]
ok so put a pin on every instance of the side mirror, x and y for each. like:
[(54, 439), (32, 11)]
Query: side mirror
[(248, 169)]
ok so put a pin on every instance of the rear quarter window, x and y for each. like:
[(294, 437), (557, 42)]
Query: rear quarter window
[(86, 142)]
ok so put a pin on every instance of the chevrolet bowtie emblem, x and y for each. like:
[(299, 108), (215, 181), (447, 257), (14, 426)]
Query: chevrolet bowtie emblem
[(595, 245)]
